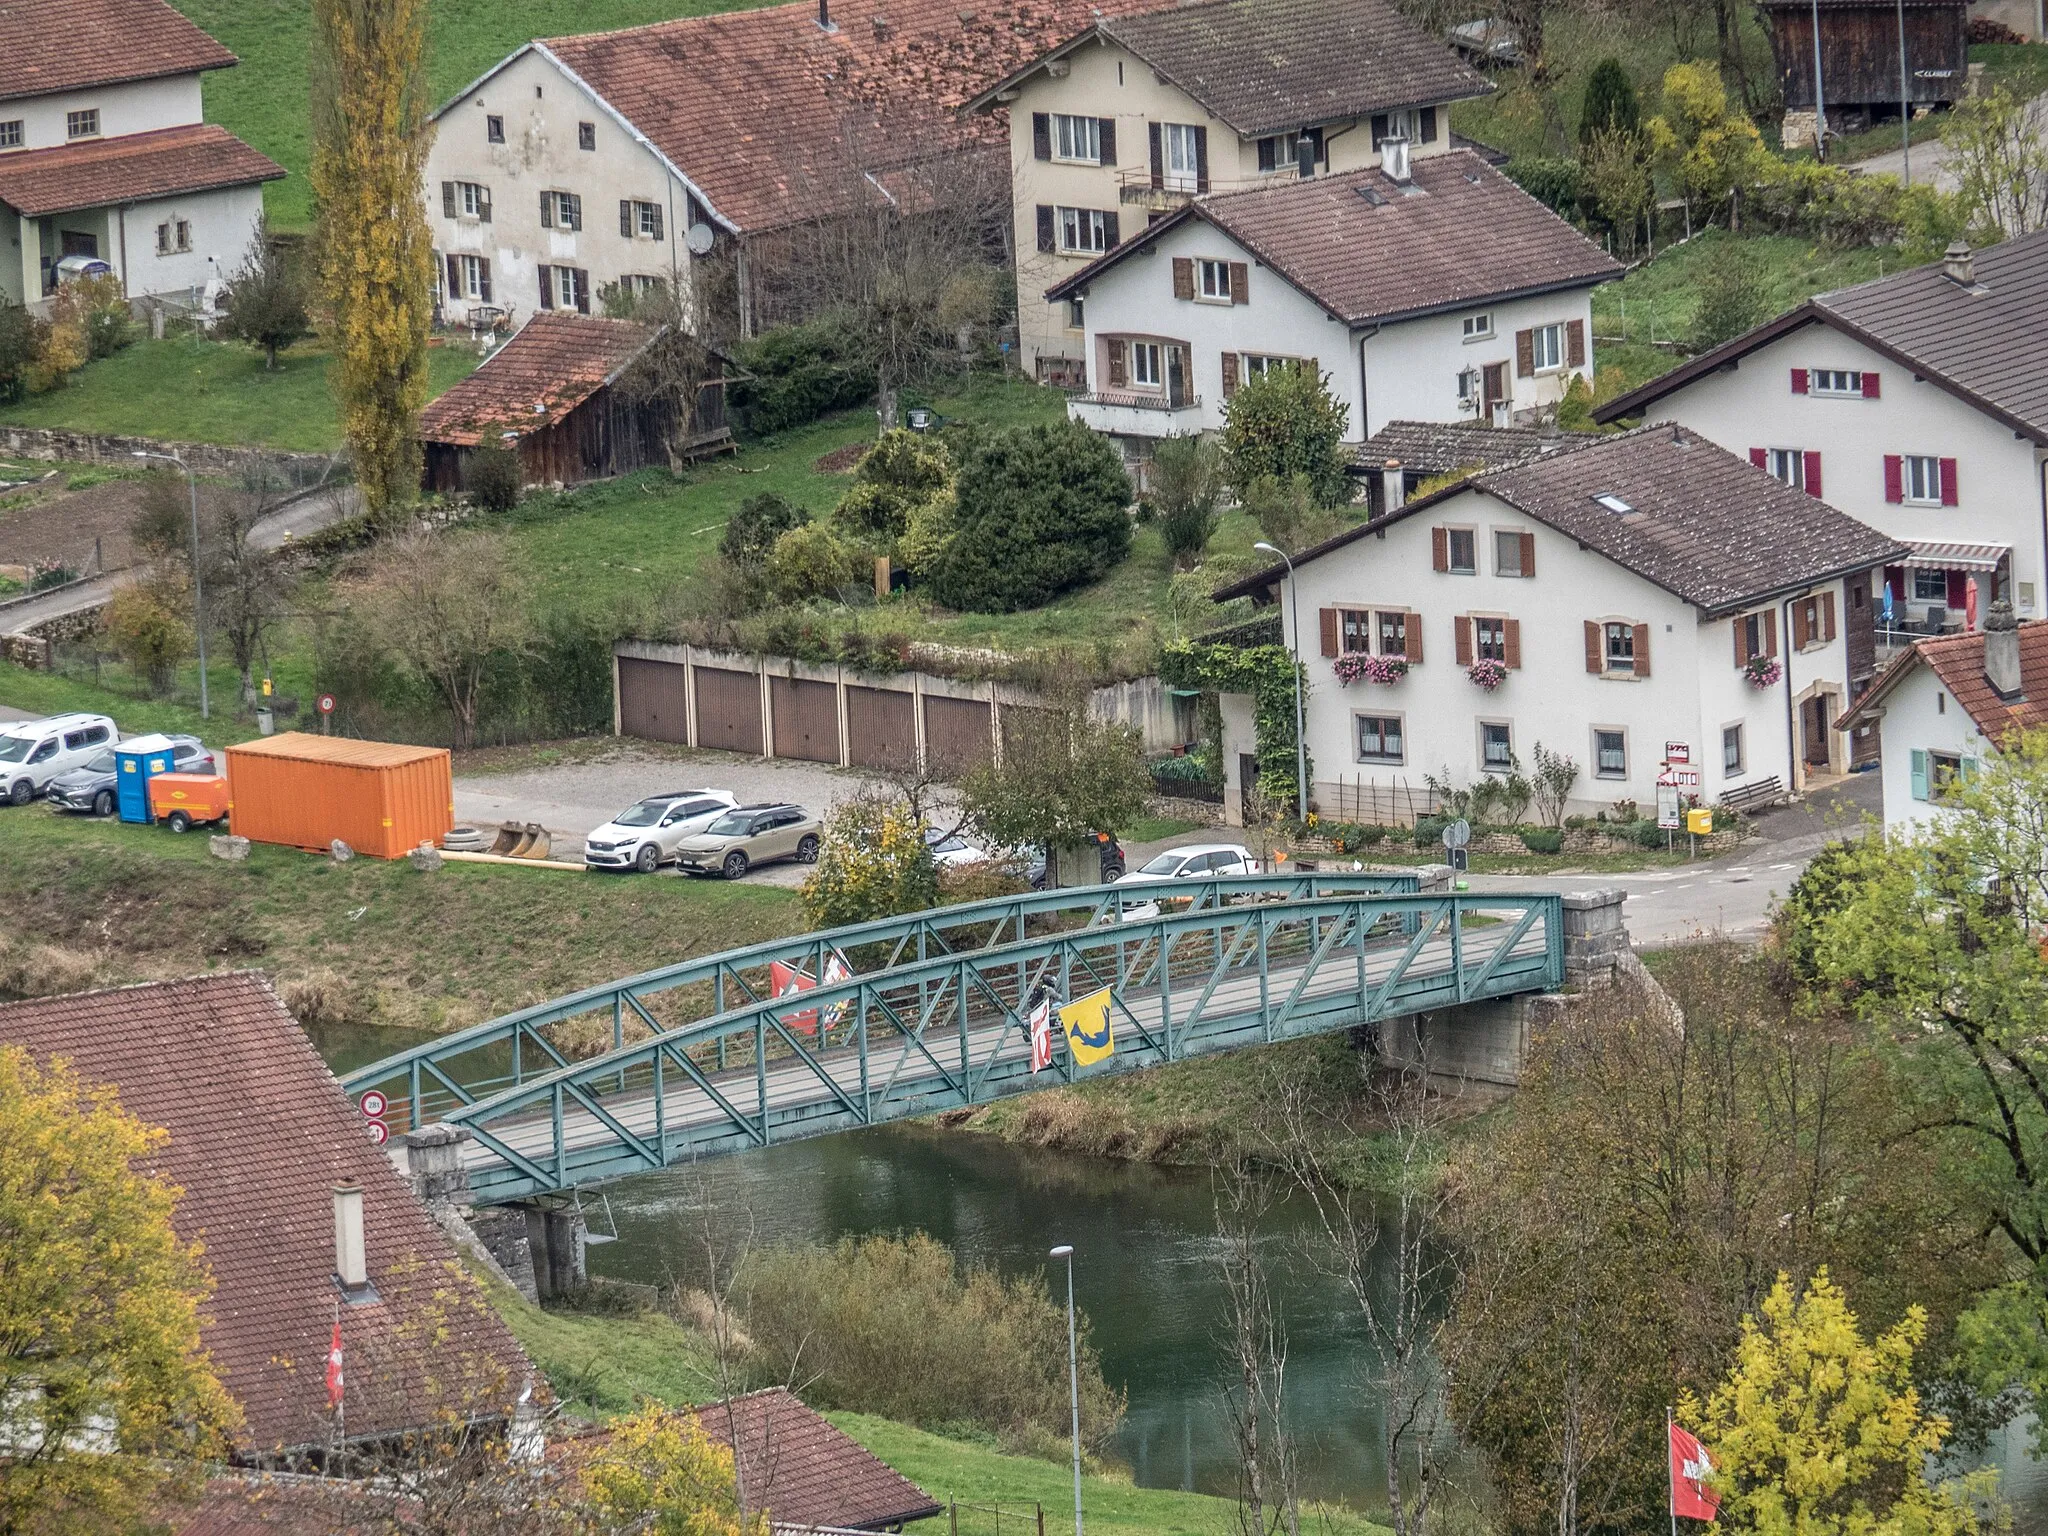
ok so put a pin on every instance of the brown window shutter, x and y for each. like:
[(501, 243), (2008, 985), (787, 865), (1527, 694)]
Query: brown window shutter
[(1240, 283), (547, 287), (1107, 128), (483, 278), (1525, 354), (1411, 638), (1801, 631), (454, 278), (1741, 640), (1112, 231), (657, 234), (447, 199), (1041, 136), (1119, 365), (1642, 650), (1596, 657), (1439, 549), (1158, 155), (626, 217), (483, 205), (1770, 631), (1511, 642), (1461, 627), (547, 210), (1827, 615), (1045, 234), (1528, 554), (1328, 619), (1575, 343), (1429, 125), (1201, 159), (1183, 277), (1229, 374)]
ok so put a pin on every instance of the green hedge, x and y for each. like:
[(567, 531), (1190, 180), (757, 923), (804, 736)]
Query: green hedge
[(799, 373)]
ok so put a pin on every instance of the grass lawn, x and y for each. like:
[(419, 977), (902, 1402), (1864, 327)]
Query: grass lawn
[(100, 903), (188, 389)]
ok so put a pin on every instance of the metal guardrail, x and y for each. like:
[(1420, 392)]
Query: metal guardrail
[(950, 1031)]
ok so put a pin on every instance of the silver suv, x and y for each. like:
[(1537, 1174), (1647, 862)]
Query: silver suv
[(750, 835), (644, 836), (34, 752)]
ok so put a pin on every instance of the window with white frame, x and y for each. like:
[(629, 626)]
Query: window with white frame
[(1180, 145), (83, 124), (561, 210), (1077, 315), (11, 134), (1282, 151), (643, 285), (1731, 750), (1835, 381), (469, 278), (1077, 139), (1212, 280), (1258, 365), (1547, 348), (1379, 739), (1610, 754), (1479, 327), (1085, 230), (1620, 642), (1145, 364), (1496, 746), (471, 199), (1788, 465), (1920, 479), (1929, 586)]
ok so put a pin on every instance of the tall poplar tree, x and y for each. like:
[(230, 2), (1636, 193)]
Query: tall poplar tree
[(375, 253)]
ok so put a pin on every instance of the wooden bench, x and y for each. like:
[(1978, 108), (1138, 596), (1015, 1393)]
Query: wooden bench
[(1752, 797)]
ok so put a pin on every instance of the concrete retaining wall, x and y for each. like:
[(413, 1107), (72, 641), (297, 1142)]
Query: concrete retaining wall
[(53, 443)]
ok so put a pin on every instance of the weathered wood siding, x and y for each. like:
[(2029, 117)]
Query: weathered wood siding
[(1860, 53)]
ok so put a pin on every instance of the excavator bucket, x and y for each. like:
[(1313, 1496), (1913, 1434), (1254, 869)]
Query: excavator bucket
[(507, 838), (521, 843), (538, 843)]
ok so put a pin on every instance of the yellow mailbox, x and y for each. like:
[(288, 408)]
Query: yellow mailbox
[(1699, 820)]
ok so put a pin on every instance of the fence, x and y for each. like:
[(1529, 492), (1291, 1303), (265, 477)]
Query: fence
[(1383, 804)]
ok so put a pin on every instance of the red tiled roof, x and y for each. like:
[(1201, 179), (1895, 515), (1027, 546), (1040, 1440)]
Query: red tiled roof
[(259, 1135), (61, 45), (1958, 660), (807, 1472), (195, 158), (263, 1505), (1368, 248), (773, 117), (550, 367)]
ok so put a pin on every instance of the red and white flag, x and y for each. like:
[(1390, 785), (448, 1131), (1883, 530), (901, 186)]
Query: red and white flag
[(1041, 1034), (787, 981), (1691, 1466), (334, 1379)]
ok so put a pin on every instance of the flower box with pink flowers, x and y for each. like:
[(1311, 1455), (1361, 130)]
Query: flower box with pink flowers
[(1359, 666)]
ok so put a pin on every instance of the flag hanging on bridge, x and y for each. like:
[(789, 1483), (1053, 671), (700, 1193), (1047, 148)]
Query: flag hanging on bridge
[(1691, 1466), (1041, 1033), (836, 971), (1086, 1022), (787, 981)]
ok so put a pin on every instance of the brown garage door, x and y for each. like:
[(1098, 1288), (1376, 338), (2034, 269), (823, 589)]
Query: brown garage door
[(806, 718), (881, 728), (956, 734), (728, 710), (654, 699)]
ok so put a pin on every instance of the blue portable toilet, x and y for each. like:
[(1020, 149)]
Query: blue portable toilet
[(138, 760)]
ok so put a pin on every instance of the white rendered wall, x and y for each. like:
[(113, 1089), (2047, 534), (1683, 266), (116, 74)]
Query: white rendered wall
[(1412, 368), (224, 225), (1921, 715), (138, 106)]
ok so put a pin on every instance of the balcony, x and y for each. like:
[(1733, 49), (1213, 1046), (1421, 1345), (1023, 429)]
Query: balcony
[(1134, 186), (1123, 414)]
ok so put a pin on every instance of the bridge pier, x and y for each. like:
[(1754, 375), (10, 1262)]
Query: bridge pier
[(558, 1239)]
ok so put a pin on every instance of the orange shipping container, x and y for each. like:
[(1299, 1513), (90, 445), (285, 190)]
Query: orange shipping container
[(305, 791)]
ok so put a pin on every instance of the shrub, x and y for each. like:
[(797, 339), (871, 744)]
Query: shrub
[(799, 372), (811, 561), (149, 633), (267, 299), (1610, 102), (902, 471), (1284, 424), (1730, 301), (102, 312), (929, 532), (1429, 831), (61, 352), (751, 532), (21, 343), (1041, 511), (1187, 481), (1286, 511), (872, 863), (1575, 410), (493, 476), (1551, 180), (1543, 839)]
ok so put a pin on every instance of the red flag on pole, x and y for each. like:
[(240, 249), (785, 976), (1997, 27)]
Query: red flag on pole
[(334, 1381), (1041, 1034), (1691, 1466)]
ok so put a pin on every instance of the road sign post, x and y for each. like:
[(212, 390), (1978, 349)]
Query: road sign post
[(325, 704), (1456, 838)]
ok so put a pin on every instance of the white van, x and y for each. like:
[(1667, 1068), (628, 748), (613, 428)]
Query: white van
[(33, 752)]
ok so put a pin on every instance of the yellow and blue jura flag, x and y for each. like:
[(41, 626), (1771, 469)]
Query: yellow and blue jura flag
[(1086, 1022)]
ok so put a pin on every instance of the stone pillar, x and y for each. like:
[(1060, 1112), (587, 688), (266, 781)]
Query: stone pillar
[(433, 1162), (557, 1238), (502, 1229), (1595, 937)]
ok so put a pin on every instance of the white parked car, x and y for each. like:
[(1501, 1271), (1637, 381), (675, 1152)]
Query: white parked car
[(33, 752), (1193, 862), (644, 836), (952, 851)]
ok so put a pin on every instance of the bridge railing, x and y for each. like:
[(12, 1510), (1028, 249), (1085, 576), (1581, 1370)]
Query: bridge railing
[(429, 1080), (951, 1030)]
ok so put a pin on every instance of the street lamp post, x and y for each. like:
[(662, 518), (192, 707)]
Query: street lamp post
[(198, 597), (1294, 652), (1066, 1251)]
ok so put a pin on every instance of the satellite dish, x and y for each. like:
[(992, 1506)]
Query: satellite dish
[(697, 239)]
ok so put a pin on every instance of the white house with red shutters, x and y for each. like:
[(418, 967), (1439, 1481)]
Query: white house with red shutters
[(1918, 404)]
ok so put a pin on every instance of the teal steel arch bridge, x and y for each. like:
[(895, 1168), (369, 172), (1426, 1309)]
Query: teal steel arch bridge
[(928, 1012)]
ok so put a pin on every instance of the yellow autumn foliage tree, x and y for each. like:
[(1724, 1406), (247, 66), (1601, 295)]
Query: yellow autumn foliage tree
[(107, 1401), (873, 862), (659, 1473), (1707, 143), (1818, 1432), (376, 259)]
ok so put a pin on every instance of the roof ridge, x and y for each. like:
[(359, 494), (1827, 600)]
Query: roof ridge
[(239, 973)]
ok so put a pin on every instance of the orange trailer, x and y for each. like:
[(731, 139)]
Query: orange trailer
[(185, 800), (305, 791)]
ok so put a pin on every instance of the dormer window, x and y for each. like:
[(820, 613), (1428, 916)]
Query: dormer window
[(83, 124)]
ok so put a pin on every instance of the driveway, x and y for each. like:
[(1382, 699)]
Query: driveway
[(1930, 155)]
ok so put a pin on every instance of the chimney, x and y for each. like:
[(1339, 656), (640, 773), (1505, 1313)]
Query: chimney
[(2002, 651), (1394, 159), (351, 1266), (825, 16), (881, 24), (1959, 264), (1393, 485)]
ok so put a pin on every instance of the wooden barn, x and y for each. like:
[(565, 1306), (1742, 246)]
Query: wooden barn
[(1859, 59), (551, 394)]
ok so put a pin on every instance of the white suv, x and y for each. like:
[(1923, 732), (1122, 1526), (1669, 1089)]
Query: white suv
[(644, 836), (33, 752)]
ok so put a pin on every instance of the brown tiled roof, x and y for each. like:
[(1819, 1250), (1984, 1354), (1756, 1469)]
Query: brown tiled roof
[(774, 117), (259, 1135), (1368, 248), (282, 1505), (1982, 344), (1706, 526), (809, 1473), (1958, 660), (62, 45), (550, 367), (195, 158), (1438, 447)]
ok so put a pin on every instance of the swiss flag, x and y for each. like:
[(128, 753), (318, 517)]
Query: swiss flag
[(1041, 1034), (788, 981), (334, 1381), (1691, 1466)]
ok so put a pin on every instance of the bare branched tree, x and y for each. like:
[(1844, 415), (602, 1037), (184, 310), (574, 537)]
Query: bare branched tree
[(1255, 1336), (679, 360)]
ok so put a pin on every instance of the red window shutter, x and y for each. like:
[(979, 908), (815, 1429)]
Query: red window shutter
[(1440, 549), (454, 278), (1575, 344), (1229, 374), (1812, 473), (1894, 478), (1411, 638), (1528, 554), (1511, 642), (1327, 617), (1240, 283), (1948, 482), (1525, 354), (1183, 277), (1870, 386), (1827, 616), (1462, 628), (1642, 650), (1798, 381), (1958, 590), (1759, 458), (1596, 656), (1041, 136)]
